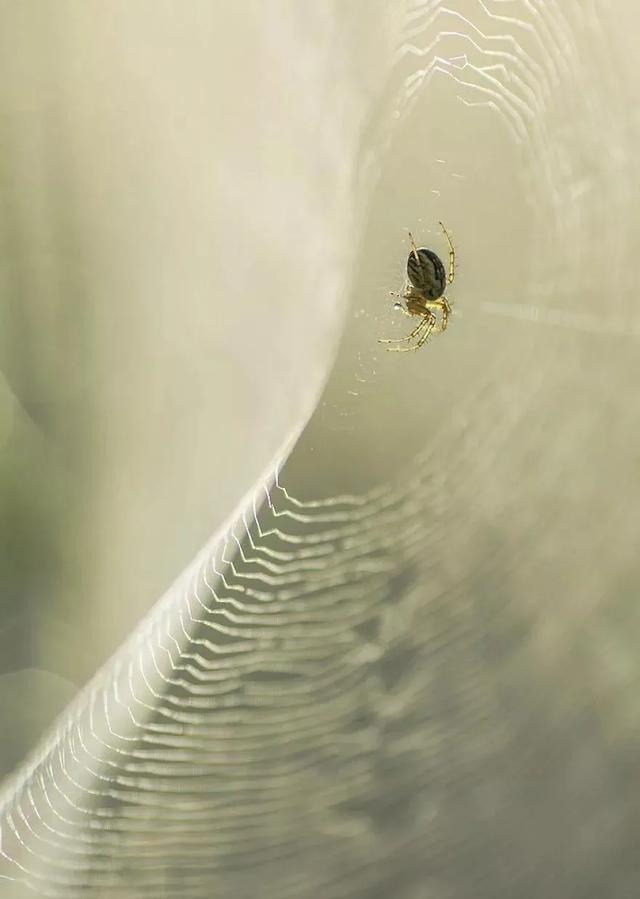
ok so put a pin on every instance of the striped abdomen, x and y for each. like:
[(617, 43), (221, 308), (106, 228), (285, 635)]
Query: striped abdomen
[(427, 275)]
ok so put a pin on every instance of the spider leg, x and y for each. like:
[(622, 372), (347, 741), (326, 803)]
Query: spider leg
[(414, 248), (446, 311), (402, 339), (426, 326), (425, 336), (444, 306), (452, 255)]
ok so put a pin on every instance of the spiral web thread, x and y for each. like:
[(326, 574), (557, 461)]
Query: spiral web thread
[(319, 706), (262, 706)]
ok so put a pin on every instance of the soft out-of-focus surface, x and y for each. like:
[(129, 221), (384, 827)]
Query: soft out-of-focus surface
[(409, 668), (175, 179)]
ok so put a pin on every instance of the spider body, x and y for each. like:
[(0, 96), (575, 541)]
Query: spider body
[(426, 273), (423, 294)]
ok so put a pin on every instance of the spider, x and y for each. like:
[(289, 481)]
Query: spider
[(424, 292)]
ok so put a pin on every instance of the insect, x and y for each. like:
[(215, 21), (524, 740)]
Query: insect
[(424, 294)]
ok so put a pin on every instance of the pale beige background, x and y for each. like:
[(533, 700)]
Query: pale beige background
[(204, 206)]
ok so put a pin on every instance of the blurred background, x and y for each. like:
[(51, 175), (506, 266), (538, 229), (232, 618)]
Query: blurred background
[(283, 613)]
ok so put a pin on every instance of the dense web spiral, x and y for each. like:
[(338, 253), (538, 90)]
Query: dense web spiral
[(413, 689)]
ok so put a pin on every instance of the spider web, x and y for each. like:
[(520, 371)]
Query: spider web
[(424, 684)]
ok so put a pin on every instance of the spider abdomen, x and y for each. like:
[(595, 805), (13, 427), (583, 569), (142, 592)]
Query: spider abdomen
[(427, 274)]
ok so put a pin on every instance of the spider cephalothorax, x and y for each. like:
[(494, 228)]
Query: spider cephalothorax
[(423, 293)]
